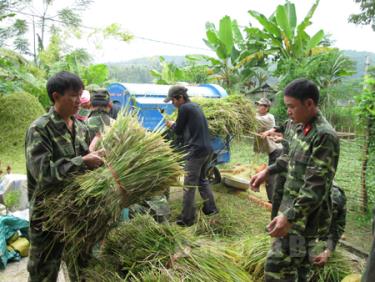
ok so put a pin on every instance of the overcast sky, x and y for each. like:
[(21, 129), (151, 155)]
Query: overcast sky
[(183, 22)]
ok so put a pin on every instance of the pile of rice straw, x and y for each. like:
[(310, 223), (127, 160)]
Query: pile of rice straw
[(138, 164)]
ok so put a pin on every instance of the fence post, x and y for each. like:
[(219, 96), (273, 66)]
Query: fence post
[(364, 197)]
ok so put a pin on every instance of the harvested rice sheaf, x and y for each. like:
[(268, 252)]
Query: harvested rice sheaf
[(142, 250), (254, 253), (233, 115), (138, 164)]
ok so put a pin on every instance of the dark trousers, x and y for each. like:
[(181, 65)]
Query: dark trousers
[(196, 176), (45, 259), (271, 182)]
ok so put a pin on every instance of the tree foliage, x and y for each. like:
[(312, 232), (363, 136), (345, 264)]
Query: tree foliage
[(19, 75), (12, 29), (234, 62), (281, 36), (367, 14), (170, 73)]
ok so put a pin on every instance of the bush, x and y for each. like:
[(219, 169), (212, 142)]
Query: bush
[(17, 112), (342, 118)]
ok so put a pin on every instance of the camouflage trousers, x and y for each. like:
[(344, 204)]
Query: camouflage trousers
[(44, 259), (278, 192), (369, 272), (288, 260), (271, 181)]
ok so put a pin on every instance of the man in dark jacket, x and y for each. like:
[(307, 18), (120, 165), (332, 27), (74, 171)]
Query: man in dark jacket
[(192, 125)]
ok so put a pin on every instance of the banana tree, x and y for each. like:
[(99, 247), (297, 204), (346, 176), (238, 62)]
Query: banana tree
[(169, 73), (233, 61), (281, 35)]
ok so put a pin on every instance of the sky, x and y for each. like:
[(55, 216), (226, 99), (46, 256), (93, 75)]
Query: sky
[(183, 22)]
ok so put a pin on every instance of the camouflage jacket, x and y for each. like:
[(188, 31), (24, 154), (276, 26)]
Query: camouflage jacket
[(53, 154), (338, 221), (97, 121), (313, 158), (281, 164)]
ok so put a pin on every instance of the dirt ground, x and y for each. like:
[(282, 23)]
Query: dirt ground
[(17, 272)]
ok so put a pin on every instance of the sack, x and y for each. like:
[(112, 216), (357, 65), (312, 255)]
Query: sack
[(9, 225)]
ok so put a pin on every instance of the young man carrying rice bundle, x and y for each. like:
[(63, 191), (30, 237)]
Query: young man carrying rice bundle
[(306, 203), (192, 125), (56, 149)]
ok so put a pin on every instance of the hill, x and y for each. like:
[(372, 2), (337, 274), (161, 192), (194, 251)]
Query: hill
[(138, 70), (359, 59)]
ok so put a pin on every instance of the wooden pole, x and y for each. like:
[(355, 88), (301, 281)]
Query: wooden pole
[(364, 196)]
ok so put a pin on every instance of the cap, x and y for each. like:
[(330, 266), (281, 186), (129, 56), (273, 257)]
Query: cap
[(85, 97), (263, 101), (174, 91), (100, 97)]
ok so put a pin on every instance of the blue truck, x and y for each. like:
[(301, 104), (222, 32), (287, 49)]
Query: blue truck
[(149, 99)]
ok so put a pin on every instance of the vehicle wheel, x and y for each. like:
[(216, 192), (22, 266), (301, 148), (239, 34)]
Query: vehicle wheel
[(213, 175)]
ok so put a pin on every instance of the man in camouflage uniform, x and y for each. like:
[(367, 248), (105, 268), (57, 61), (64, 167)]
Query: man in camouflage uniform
[(279, 168), (56, 148), (337, 226), (369, 273), (99, 117), (306, 202)]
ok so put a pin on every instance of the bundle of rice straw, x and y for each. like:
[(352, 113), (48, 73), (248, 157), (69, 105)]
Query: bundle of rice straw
[(254, 253), (335, 270), (138, 164), (232, 115), (142, 250), (229, 222)]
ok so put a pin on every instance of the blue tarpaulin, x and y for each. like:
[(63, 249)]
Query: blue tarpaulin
[(8, 226)]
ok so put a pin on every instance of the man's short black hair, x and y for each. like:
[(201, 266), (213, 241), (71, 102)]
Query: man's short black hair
[(63, 81), (302, 89)]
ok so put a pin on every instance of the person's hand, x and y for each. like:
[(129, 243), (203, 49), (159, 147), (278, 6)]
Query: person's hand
[(279, 226), (94, 142), (322, 258), (169, 123), (258, 179), (94, 159), (266, 133), (276, 137)]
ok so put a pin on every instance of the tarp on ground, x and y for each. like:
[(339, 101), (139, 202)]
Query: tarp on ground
[(8, 226)]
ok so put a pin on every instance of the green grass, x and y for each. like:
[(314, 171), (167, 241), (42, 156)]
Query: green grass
[(237, 214), (15, 159), (348, 176)]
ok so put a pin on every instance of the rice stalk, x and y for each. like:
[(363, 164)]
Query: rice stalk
[(335, 269), (138, 165), (142, 250), (233, 115)]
